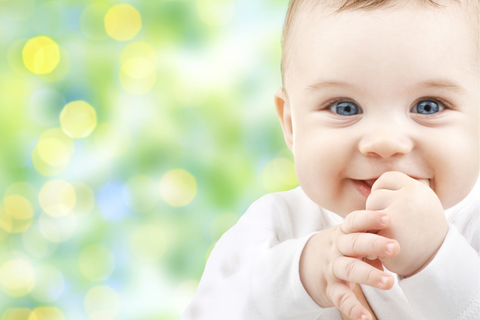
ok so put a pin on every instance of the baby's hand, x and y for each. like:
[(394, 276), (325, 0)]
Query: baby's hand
[(418, 221), (330, 263)]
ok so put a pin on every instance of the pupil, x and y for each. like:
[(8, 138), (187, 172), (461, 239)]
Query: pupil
[(428, 107), (347, 108)]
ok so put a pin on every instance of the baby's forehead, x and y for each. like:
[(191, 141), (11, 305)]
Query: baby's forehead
[(303, 18)]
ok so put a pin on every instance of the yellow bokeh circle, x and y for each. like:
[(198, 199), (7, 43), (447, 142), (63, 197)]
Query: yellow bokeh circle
[(123, 22), (57, 198), (78, 119), (102, 303), (138, 64), (6, 222), (53, 151), (46, 313), (16, 314), (138, 49), (17, 277), (41, 55), (25, 190), (17, 214), (18, 207), (96, 262), (138, 68), (178, 187)]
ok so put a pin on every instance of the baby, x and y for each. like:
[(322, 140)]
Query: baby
[(380, 107)]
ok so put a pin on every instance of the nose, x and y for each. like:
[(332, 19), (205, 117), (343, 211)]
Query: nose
[(385, 141)]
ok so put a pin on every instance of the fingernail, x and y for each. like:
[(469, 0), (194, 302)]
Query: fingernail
[(389, 247), (384, 280), (383, 219)]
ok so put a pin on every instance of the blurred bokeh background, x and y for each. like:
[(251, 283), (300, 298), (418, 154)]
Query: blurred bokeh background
[(133, 135)]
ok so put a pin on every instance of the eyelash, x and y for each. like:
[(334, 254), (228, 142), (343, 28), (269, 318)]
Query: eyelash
[(441, 102)]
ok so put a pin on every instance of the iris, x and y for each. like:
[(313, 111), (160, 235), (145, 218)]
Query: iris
[(347, 108), (427, 107)]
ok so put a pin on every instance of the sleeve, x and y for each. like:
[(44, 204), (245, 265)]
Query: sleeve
[(448, 288), (251, 274)]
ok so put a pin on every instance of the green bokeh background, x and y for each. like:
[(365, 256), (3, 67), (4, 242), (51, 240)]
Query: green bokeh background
[(210, 112)]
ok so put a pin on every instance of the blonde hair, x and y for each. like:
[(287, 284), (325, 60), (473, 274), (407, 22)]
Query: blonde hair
[(295, 6)]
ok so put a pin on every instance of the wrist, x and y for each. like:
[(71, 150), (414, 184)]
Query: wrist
[(432, 256), (423, 266)]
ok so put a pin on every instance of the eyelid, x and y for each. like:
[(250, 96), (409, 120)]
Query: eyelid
[(330, 103)]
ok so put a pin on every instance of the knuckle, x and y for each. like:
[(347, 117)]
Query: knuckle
[(346, 304), (355, 243), (353, 221), (333, 295), (371, 276), (334, 267), (342, 301), (350, 222), (350, 268), (376, 244)]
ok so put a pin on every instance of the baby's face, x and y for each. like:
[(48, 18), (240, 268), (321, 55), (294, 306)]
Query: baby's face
[(378, 91)]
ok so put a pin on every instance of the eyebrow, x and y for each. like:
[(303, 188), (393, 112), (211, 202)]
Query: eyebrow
[(445, 84), (328, 84)]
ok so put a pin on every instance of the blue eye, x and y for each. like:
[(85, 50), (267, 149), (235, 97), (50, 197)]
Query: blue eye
[(427, 107), (345, 108)]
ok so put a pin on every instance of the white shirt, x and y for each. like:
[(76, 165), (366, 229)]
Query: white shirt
[(253, 271)]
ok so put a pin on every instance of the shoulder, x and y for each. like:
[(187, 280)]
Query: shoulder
[(289, 213), (277, 204)]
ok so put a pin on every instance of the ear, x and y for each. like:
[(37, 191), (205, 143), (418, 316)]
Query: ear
[(285, 116)]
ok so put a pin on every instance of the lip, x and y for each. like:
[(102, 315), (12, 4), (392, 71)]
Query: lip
[(363, 188)]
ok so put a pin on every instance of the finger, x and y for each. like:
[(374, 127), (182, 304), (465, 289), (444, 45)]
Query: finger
[(345, 300), (364, 220), (354, 270), (391, 180), (367, 244), (379, 200)]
